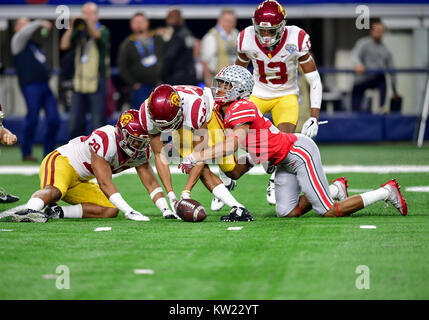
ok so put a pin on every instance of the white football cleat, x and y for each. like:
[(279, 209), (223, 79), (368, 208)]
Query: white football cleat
[(168, 214), (136, 216), (216, 204), (271, 194), (342, 185), (395, 197)]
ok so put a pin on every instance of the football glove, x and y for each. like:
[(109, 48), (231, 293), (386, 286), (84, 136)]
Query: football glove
[(310, 127), (186, 194), (136, 216), (168, 214), (187, 164)]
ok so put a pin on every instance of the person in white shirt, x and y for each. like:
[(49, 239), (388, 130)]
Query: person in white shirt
[(218, 45)]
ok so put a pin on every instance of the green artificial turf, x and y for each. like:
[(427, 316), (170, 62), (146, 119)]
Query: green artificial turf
[(271, 258)]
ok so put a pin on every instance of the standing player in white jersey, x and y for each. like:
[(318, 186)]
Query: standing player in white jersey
[(276, 50), (65, 174), (189, 110)]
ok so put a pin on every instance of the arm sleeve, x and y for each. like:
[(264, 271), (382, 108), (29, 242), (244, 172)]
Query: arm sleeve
[(20, 39)]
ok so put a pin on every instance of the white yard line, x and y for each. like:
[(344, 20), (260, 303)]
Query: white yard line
[(257, 170)]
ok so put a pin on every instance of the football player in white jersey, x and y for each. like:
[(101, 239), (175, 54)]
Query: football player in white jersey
[(276, 50), (65, 174), (189, 110)]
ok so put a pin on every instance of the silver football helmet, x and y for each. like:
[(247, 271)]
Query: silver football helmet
[(236, 80)]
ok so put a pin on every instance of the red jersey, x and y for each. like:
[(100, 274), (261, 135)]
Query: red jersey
[(264, 141)]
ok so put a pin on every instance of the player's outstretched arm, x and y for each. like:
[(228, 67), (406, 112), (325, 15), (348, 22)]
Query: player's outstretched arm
[(103, 173), (219, 150)]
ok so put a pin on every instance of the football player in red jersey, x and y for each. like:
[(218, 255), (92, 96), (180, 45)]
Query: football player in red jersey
[(66, 172), (276, 51), (299, 166)]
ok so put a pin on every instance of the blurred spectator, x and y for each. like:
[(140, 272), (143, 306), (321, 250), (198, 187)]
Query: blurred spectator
[(179, 64), (218, 48), (371, 53), (90, 40), (33, 75), (140, 59)]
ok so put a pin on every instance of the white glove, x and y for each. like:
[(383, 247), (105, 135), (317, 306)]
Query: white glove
[(310, 127), (173, 200), (185, 194), (168, 214), (136, 216)]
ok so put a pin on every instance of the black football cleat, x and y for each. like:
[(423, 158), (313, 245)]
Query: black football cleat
[(237, 214), (7, 198), (54, 211), (29, 215)]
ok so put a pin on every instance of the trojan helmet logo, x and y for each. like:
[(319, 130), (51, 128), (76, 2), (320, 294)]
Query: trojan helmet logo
[(281, 9), (126, 118), (175, 100)]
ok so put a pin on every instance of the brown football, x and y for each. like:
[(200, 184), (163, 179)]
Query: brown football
[(190, 210)]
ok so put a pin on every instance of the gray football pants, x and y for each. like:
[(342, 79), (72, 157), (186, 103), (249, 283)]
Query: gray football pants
[(301, 171)]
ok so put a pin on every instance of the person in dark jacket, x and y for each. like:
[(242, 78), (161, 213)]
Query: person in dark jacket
[(33, 75), (140, 59), (179, 65)]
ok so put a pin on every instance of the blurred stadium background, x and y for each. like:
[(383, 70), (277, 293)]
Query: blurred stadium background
[(331, 25)]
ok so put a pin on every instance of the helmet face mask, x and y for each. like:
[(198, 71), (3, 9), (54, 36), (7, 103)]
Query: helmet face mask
[(232, 83), (269, 22)]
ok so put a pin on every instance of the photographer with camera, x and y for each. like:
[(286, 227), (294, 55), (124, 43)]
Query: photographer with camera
[(33, 73), (90, 40)]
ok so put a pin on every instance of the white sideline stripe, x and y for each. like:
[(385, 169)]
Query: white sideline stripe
[(417, 189), (5, 230), (368, 227), (103, 229), (235, 228), (143, 271), (256, 170)]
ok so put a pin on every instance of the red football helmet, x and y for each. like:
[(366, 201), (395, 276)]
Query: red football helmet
[(165, 108), (132, 138), (269, 22)]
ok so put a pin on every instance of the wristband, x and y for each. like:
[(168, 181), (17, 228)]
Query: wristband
[(117, 200)]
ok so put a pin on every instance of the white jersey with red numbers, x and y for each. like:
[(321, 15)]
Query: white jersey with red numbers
[(103, 142), (275, 72), (197, 108), (264, 141)]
